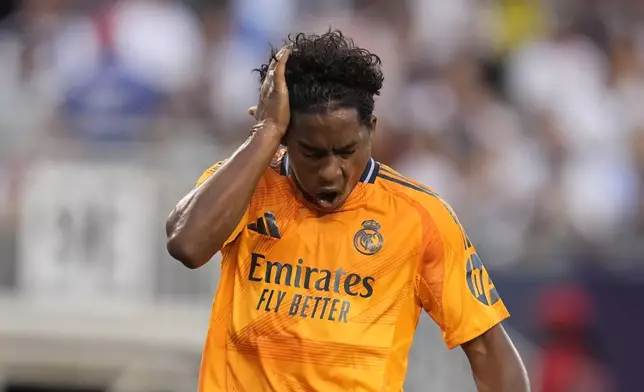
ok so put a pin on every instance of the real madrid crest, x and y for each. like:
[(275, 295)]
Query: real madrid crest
[(368, 240)]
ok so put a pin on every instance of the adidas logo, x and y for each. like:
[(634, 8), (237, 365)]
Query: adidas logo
[(269, 222)]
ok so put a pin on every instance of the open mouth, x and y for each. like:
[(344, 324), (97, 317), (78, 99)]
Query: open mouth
[(327, 199)]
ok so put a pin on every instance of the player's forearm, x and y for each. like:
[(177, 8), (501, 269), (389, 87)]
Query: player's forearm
[(496, 364), (512, 378), (203, 220)]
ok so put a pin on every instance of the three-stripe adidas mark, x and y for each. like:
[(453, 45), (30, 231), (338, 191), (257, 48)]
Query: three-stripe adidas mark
[(267, 221)]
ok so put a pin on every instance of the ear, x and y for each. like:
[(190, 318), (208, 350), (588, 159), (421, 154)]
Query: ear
[(288, 133), (374, 123)]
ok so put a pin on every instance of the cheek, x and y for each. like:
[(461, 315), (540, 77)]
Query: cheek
[(304, 169), (359, 160), (355, 167)]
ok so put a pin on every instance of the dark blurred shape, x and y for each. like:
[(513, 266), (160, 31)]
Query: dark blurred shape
[(6, 9), (569, 359), (566, 307), (493, 71)]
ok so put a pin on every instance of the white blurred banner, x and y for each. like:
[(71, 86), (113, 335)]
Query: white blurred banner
[(87, 232)]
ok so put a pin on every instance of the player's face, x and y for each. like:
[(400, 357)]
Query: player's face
[(327, 154)]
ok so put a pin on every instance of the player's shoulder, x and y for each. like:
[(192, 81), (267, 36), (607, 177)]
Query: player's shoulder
[(401, 186), (435, 212), (278, 165)]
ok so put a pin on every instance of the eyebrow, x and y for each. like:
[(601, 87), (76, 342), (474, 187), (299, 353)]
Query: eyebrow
[(342, 149)]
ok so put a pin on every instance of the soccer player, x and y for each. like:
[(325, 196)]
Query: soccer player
[(329, 256)]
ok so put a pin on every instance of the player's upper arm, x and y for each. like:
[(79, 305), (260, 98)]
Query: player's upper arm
[(242, 222), (453, 286)]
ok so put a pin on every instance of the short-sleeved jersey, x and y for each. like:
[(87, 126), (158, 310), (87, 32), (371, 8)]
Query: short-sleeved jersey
[(330, 302)]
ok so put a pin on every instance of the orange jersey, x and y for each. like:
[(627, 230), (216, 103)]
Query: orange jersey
[(313, 302)]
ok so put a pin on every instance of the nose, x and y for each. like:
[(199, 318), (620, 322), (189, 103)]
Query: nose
[(330, 170)]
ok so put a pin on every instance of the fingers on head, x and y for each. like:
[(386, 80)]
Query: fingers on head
[(277, 58), (277, 67), (282, 58)]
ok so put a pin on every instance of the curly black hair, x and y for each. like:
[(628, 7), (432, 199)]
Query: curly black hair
[(329, 71)]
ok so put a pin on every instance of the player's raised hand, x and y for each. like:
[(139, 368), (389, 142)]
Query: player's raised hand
[(273, 107)]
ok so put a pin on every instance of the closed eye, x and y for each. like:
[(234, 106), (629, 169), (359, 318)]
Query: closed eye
[(321, 154), (346, 154), (314, 154)]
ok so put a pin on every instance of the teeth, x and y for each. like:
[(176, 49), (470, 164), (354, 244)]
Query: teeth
[(327, 197)]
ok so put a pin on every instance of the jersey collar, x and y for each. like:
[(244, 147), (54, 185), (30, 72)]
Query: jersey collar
[(370, 172)]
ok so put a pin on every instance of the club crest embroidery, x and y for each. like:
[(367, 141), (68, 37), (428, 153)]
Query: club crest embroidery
[(368, 240)]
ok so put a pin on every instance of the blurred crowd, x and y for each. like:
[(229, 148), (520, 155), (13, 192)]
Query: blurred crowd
[(522, 113)]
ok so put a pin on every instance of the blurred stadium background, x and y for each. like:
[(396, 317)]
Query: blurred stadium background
[(525, 114)]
